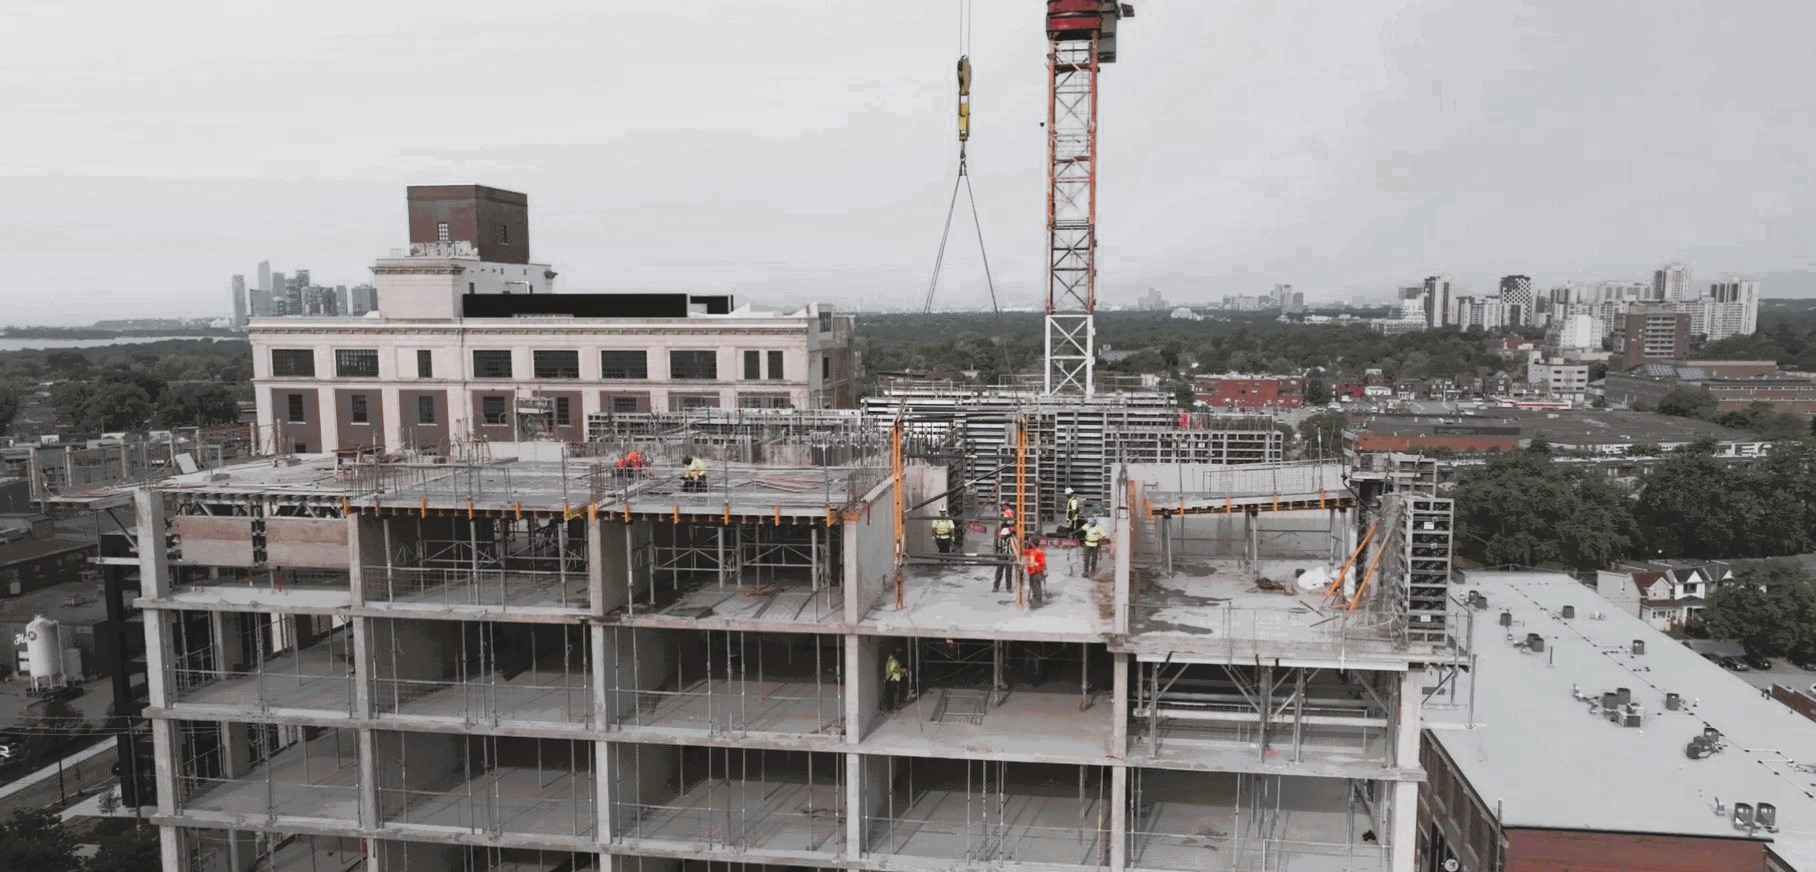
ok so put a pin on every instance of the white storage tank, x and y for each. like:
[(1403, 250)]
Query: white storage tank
[(44, 652)]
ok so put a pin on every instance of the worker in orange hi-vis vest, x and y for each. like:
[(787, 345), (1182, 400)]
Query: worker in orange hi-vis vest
[(1036, 561)]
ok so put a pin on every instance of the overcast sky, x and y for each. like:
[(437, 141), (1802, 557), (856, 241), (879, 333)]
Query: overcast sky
[(795, 149)]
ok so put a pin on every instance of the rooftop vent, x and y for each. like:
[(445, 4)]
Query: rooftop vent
[(1623, 695), (1673, 702), (1569, 612), (1506, 618), (1639, 646), (1743, 815), (1535, 642), (1766, 815)]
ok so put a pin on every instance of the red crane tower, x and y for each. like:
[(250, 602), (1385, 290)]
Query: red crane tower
[(1082, 37)]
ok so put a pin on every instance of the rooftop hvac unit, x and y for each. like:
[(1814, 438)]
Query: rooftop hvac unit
[(1535, 642), (1743, 815), (1506, 618), (1766, 815), (1673, 702), (1623, 695), (1639, 646), (1569, 612)]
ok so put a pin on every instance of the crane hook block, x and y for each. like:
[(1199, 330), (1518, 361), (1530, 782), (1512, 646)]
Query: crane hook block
[(964, 76)]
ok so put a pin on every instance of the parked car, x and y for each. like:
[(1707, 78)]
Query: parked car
[(1757, 662), (1712, 658), (1735, 663)]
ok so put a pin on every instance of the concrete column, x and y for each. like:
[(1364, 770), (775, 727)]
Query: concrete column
[(170, 847), (1119, 708), (368, 780), (164, 750), (236, 750), (393, 413), (595, 566), (157, 657), (219, 634), (854, 806), (605, 669), (362, 669), (1404, 807), (604, 776), (1119, 818), (154, 562)]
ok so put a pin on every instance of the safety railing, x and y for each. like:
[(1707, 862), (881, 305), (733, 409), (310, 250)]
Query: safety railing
[(725, 708), (981, 841), (801, 829), (479, 812), (1245, 632), (272, 800), (1187, 852), (481, 701), (269, 580), (489, 587), (265, 690)]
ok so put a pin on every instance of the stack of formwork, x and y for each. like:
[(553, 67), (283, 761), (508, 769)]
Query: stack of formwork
[(1415, 570)]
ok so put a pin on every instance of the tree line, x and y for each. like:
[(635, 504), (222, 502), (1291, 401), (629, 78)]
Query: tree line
[(177, 383)]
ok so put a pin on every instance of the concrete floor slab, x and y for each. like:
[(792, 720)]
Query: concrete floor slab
[(318, 679), (957, 600), (544, 696), (1190, 822), (943, 825), (1043, 725), (315, 781), (773, 815), (508, 799), (719, 706)]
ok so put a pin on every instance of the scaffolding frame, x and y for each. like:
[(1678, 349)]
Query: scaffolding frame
[(709, 697)]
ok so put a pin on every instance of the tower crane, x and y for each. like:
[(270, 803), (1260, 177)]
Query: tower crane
[(1081, 36)]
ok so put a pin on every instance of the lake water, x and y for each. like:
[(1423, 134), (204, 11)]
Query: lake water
[(23, 344)]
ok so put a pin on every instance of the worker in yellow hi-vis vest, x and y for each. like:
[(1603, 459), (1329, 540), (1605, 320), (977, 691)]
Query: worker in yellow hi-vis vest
[(1094, 536), (943, 530)]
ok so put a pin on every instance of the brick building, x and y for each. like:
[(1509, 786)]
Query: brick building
[(1732, 382), (1238, 391)]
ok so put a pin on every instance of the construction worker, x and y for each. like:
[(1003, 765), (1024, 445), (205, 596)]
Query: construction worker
[(943, 528), (1073, 509), (895, 681), (693, 473), (1094, 536), (1005, 552), (1036, 561)]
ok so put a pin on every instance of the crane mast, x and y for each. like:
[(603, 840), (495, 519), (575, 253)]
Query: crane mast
[(1081, 38)]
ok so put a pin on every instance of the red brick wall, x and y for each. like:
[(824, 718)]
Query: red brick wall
[(308, 432), (1578, 851), (353, 435), (413, 431), (1251, 393), (1797, 702)]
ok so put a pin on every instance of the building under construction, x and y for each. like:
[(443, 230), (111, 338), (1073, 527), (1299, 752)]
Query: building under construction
[(575, 663)]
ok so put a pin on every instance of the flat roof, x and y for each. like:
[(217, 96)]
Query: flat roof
[(1543, 758), (541, 485), (1560, 426)]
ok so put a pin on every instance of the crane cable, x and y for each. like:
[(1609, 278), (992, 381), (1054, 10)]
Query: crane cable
[(964, 175)]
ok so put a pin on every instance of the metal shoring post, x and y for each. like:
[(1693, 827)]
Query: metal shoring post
[(384, 526), (561, 539), (473, 551), (1299, 713)]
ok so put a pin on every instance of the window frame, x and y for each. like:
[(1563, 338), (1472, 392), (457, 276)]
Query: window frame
[(753, 365), (485, 411), (425, 363), (564, 411), (489, 373), (347, 358), (296, 410), (429, 400), (294, 355), (637, 373), (777, 366), (635, 403), (359, 409), (567, 370), (699, 355)]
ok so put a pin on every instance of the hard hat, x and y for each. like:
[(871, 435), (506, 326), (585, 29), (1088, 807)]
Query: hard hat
[(1005, 532), (687, 459), (1068, 491), (942, 511)]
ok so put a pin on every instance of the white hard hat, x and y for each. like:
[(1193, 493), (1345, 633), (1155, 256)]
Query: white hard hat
[(1068, 490), (1005, 532)]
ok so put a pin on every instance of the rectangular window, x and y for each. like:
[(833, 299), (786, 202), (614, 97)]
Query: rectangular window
[(764, 401), (501, 234), (357, 411), (562, 416), (292, 363), (425, 364), (825, 367), (775, 366), (624, 364), (625, 405), (295, 408), (491, 410), (556, 364), (441, 232), (685, 402), (356, 362), (425, 410), (825, 322), (491, 364), (695, 365), (753, 365)]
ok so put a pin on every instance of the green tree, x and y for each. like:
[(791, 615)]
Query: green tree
[(197, 404), (116, 405), (1321, 435), (1769, 608), (9, 405), (134, 849), (1317, 391), (1688, 402), (1694, 505), (35, 840), (1524, 508)]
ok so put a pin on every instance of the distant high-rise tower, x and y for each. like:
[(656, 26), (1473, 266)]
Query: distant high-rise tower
[(280, 296), (1671, 283), (239, 301), (265, 275), (1436, 295), (1734, 308), (494, 222), (1516, 299)]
